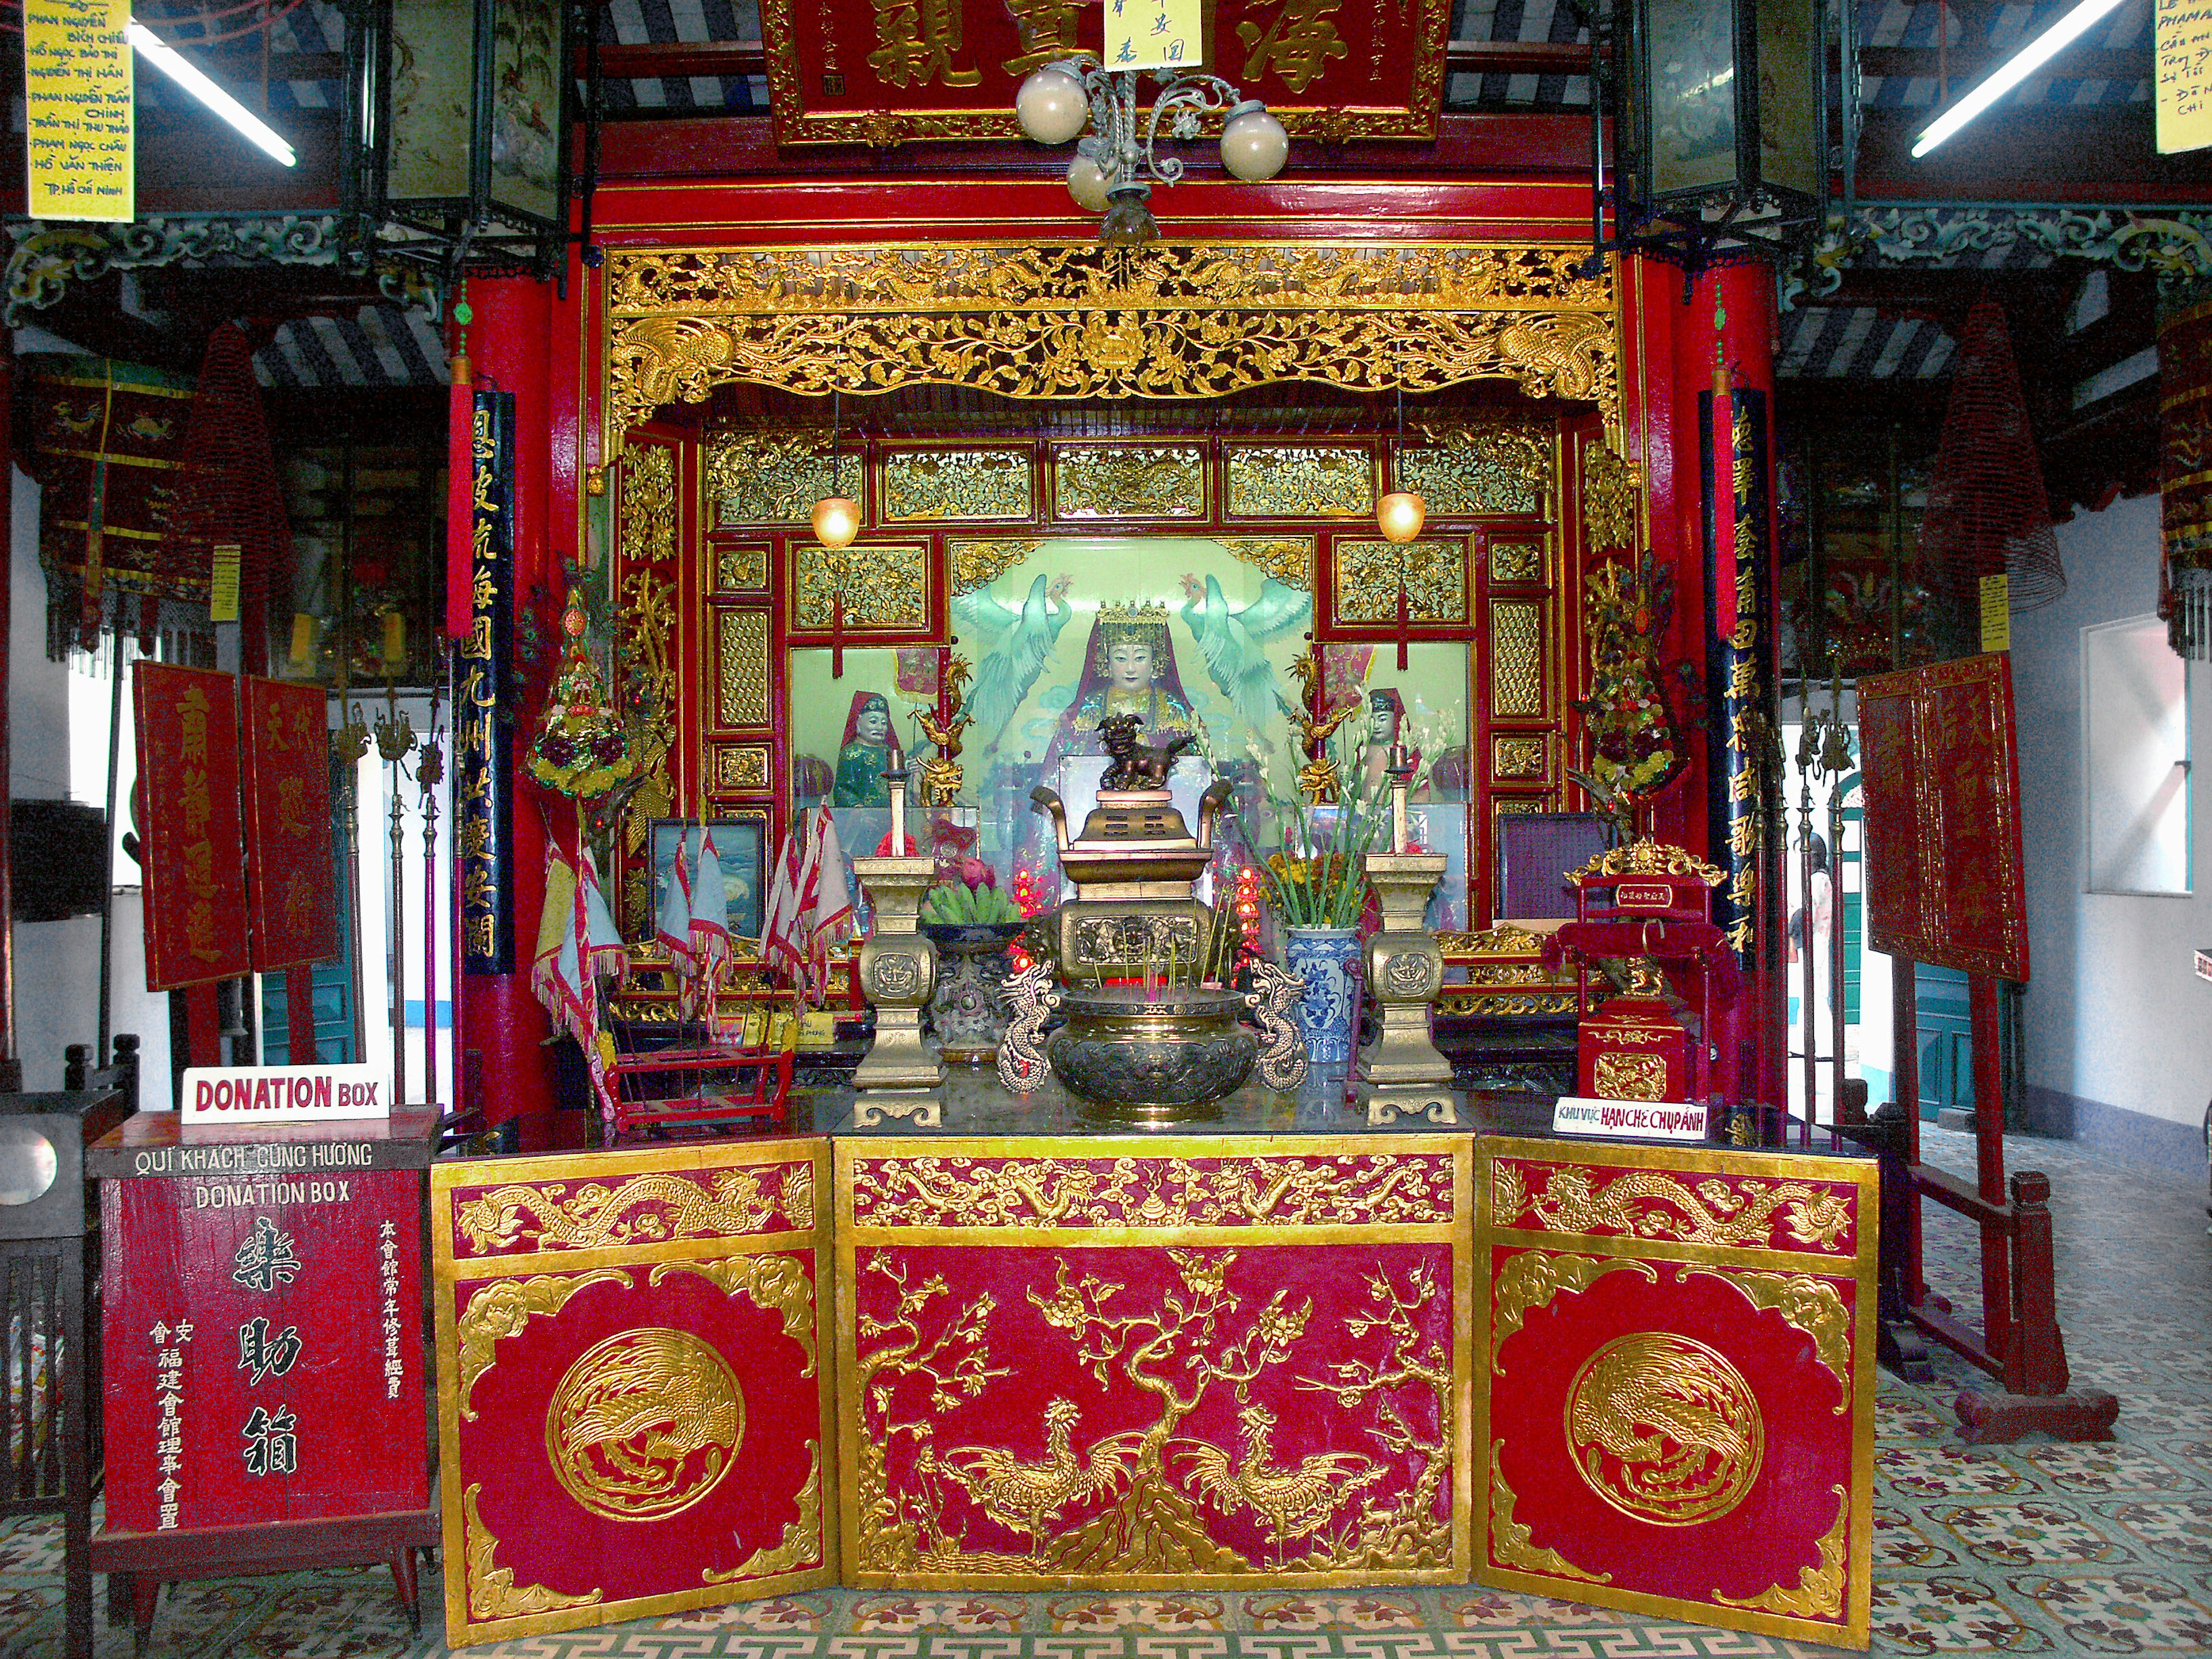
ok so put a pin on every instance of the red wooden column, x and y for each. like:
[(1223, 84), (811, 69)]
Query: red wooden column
[(1724, 348), (11, 1065), (503, 1025)]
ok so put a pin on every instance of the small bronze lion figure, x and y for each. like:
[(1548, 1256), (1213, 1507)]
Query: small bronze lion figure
[(1137, 765)]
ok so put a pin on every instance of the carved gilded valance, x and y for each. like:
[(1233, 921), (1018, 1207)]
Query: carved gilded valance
[(1165, 320)]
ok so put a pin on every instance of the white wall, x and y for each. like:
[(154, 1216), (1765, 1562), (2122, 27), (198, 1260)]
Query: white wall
[(2114, 1014)]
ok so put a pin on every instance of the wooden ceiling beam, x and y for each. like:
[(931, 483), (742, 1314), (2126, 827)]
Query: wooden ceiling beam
[(2101, 153)]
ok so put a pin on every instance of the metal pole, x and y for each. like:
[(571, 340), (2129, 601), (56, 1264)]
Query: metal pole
[(429, 771), (107, 852)]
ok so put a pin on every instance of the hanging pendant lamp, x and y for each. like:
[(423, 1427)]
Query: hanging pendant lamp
[(1399, 514), (837, 515)]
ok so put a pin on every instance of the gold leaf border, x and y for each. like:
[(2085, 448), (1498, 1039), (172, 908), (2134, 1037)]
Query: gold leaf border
[(503, 1307), (1820, 1592), (1509, 1545), (492, 1592)]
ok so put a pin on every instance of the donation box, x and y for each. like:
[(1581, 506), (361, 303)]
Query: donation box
[(263, 1299)]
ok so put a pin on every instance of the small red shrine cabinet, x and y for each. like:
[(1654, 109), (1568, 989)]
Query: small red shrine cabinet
[(262, 1293)]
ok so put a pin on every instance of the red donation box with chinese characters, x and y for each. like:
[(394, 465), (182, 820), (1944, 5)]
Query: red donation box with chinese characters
[(263, 1298)]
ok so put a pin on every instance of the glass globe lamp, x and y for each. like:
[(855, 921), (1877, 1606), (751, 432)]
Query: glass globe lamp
[(1052, 105), (836, 520), (1400, 515), (1089, 182), (1252, 142)]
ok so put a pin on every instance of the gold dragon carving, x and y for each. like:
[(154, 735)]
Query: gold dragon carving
[(765, 477), (1148, 481), (1612, 489), (956, 483), (645, 1208), (1165, 320), (1653, 1204), (502, 1307), (801, 1543), (773, 1284), (1480, 467), (1290, 1191), (1820, 1592), (1649, 858), (492, 1591)]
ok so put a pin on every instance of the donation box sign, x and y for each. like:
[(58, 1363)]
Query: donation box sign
[(264, 1329)]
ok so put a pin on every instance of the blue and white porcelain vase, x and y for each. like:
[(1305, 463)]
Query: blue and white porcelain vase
[(1325, 957)]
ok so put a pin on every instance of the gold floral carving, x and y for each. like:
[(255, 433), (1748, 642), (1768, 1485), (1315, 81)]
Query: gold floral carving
[(884, 587), (648, 503), (798, 1197), (492, 1591), (741, 766), (1525, 756), (1377, 1188), (1178, 319), (1530, 1279), (741, 656), (801, 1543), (645, 644), (742, 570), (1654, 1204), (1509, 1545), (1480, 467), (978, 563), (650, 1208), (957, 483), (1820, 1592), (502, 1307), (1298, 481), (1148, 482), (1629, 1077), (1288, 559), (765, 478), (1517, 659), (1649, 858), (1370, 572), (1612, 489), (1517, 563), (1814, 1305), (773, 1284), (1176, 1346)]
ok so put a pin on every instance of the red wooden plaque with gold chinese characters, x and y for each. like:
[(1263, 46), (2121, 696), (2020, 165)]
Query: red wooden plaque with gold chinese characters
[(1945, 880), (288, 826), (633, 1399), (1677, 1413), (1153, 1362), (890, 73), (191, 833)]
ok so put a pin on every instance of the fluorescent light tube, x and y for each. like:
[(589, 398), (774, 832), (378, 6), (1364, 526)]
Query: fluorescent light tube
[(2014, 71), (179, 69)]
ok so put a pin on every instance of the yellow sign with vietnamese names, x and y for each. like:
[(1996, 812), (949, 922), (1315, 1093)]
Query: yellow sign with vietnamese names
[(1996, 612), (77, 109), (2183, 53), (1144, 34)]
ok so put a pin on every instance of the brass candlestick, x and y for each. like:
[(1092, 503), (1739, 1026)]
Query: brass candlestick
[(898, 970), (1404, 1072)]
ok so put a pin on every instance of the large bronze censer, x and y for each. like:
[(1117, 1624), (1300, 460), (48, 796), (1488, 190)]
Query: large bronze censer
[(1161, 1043)]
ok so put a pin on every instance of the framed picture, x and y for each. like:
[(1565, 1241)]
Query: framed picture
[(741, 850)]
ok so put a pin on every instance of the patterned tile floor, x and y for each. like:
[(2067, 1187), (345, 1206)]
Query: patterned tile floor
[(2028, 1549)]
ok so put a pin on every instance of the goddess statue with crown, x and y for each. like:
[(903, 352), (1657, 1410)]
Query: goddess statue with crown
[(1129, 668)]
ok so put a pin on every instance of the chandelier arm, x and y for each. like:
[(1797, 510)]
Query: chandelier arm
[(1188, 93)]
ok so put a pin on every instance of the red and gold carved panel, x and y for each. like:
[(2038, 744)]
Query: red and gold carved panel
[(633, 1409), (1946, 883), (900, 71), (1132, 1364), (1677, 1413)]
